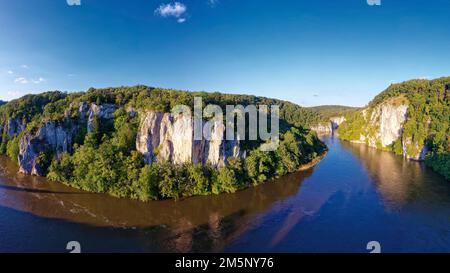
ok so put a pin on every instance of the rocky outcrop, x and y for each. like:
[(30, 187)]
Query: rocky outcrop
[(336, 122), (323, 128), (418, 152), (328, 128), (51, 139), (384, 125), (14, 127), (104, 111), (162, 137)]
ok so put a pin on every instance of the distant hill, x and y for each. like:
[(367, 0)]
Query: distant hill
[(3, 102), (329, 111)]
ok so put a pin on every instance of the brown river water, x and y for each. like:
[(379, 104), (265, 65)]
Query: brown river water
[(354, 195)]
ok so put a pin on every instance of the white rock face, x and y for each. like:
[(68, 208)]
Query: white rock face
[(14, 127), (336, 122), (387, 120), (165, 138), (148, 137), (104, 111), (328, 128), (182, 139), (49, 137), (391, 122), (323, 128)]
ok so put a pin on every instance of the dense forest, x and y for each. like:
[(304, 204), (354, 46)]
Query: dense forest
[(427, 122), (105, 160), (326, 112)]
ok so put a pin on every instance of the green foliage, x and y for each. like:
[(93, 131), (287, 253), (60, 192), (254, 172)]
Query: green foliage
[(62, 170), (353, 128), (224, 180), (4, 143), (146, 187), (44, 160), (439, 162), (327, 112), (427, 123), (12, 148), (29, 106), (106, 161)]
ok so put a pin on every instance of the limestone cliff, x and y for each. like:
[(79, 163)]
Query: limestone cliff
[(162, 137), (51, 138), (383, 125), (329, 127)]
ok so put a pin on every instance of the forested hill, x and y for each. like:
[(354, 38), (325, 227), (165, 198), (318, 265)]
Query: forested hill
[(53, 105), (411, 118), (326, 112), (122, 141)]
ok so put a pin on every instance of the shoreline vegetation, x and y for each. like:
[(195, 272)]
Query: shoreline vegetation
[(102, 156), (416, 112)]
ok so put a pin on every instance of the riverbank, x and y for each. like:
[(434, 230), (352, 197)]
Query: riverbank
[(313, 163)]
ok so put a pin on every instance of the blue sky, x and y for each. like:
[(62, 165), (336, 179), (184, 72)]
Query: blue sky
[(309, 52)]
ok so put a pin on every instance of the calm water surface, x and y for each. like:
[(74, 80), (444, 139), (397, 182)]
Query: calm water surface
[(354, 195)]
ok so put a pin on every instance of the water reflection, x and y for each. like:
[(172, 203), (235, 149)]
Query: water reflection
[(400, 181), (196, 224), (353, 196)]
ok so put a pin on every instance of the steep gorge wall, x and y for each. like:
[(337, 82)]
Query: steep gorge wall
[(384, 125), (329, 127), (161, 137)]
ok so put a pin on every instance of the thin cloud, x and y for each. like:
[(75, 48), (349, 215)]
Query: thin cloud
[(176, 10), (21, 80), (38, 81), (10, 72), (24, 66)]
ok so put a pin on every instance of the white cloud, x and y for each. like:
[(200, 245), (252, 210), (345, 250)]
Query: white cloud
[(181, 20), (21, 80), (38, 81), (10, 72), (175, 9), (25, 66)]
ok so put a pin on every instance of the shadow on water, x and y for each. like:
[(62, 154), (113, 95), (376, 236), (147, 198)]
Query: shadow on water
[(197, 224), (12, 188)]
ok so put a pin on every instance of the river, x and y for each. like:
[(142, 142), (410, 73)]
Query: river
[(356, 194)]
